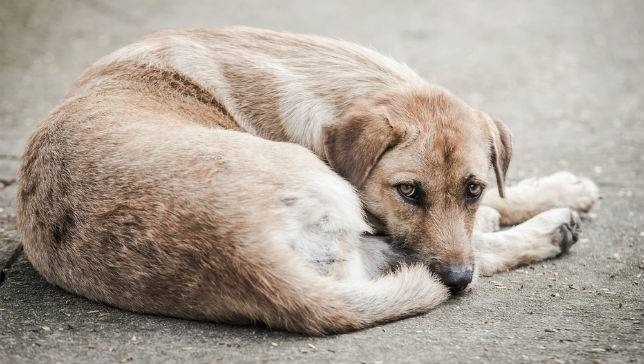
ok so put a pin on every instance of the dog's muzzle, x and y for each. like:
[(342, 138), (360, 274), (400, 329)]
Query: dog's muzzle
[(456, 277)]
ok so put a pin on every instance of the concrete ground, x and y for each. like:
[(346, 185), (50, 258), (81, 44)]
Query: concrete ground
[(566, 76)]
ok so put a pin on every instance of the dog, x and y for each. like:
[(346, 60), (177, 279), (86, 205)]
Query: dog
[(249, 176)]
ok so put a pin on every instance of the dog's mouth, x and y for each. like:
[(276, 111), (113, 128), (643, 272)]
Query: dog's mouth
[(457, 281)]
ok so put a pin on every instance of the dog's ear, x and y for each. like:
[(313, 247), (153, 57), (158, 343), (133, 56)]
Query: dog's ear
[(500, 150), (354, 144)]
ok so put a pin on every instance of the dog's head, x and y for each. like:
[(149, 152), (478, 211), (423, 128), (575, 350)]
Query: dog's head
[(420, 160)]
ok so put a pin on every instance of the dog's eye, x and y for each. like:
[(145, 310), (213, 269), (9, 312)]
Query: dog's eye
[(410, 192), (474, 190)]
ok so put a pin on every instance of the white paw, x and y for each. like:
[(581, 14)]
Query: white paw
[(564, 189), (487, 220), (559, 227)]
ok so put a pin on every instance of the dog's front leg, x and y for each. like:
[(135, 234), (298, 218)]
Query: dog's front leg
[(487, 220), (535, 195), (546, 235)]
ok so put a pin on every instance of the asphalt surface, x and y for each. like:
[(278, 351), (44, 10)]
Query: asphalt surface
[(566, 77)]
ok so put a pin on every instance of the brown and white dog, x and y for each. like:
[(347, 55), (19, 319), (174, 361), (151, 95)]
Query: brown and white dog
[(185, 175)]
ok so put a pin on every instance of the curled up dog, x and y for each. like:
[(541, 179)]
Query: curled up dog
[(243, 175)]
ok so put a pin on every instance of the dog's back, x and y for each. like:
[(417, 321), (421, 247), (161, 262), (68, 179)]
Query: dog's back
[(278, 86)]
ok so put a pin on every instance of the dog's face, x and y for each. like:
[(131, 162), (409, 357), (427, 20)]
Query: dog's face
[(421, 162)]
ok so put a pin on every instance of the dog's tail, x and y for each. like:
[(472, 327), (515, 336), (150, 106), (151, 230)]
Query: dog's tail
[(321, 305)]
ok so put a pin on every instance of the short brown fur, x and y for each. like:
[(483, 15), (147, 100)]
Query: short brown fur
[(170, 177)]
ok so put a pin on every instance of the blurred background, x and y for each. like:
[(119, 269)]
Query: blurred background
[(566, 76)]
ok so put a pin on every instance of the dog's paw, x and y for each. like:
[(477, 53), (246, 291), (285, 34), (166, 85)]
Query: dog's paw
[(487, 220), (563, 189), (568, 231), (559, 227), (577, 193)]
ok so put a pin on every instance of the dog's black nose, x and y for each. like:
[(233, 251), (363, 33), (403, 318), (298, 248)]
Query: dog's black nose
[(457, 278)]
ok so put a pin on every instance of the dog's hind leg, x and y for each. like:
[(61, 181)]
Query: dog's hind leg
[(532, 196), (546, 235)]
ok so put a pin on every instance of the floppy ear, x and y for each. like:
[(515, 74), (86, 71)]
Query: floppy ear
[(501, 150), (354, 144)]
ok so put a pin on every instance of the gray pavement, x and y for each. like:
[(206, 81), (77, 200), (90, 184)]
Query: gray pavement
[(566, 76)]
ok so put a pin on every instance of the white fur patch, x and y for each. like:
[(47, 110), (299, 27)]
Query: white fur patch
[(303, 116), (322, 220), (355, 268)]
